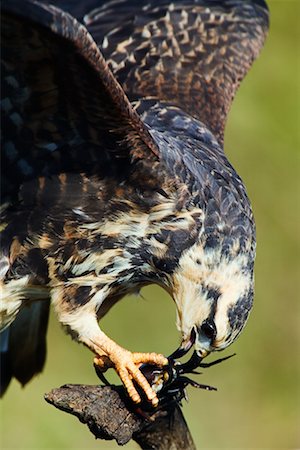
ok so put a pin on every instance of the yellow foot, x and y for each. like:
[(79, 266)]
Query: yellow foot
[(127, 365)]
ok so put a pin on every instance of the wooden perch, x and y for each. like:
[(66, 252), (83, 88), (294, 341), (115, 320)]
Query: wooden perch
[(109, 415)]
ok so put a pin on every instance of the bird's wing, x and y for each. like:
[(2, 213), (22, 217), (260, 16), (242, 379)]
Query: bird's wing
[(63, 109), (23, 345), (192, 53)]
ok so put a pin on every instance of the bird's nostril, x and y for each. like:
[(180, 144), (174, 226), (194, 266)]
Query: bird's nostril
[(208, 328)]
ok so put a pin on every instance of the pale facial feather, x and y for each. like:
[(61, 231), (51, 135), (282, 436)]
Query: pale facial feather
[(198, 267)]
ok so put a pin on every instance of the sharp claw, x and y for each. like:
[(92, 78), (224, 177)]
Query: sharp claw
[(102, 363), (101, 376)]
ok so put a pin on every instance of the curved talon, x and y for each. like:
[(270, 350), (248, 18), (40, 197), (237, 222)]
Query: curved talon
[(102, 363), (127, 365), (100, 375)]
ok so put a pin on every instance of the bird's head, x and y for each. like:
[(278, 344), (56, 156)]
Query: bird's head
[(213, 292)]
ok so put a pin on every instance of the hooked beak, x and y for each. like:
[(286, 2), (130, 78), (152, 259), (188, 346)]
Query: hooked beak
[(184, 346)]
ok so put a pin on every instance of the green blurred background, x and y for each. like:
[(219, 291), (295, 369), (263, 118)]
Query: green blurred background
[(257, 402)]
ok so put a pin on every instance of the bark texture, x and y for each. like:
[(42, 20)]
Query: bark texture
[(110, 415)]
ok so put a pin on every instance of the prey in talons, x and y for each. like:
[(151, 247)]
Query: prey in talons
[(168, 382)]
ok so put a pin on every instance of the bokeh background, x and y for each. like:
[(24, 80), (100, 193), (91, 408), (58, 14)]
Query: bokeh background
[(257, 402)]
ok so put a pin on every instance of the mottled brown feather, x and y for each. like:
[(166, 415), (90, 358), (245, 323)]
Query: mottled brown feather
[(53, 76), (93, 213), (193, 54)]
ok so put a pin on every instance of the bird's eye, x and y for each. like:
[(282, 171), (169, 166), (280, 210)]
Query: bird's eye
[(208, 328)]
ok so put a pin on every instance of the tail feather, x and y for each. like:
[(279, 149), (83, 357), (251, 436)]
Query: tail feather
[(23, 345), (5, 369)]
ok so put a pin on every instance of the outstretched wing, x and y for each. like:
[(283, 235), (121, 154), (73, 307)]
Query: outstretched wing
[(63, 109), (191, 53)]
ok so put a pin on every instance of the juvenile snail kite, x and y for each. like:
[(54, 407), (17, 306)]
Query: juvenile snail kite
[(114, 174)]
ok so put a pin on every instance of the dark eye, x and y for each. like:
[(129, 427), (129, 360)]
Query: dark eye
[(208, 328)]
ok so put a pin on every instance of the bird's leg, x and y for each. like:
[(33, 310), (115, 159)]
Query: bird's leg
[(83, 324), (127, 365)]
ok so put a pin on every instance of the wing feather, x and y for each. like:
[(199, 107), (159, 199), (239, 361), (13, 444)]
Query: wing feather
[(192, 53), (63, 109)]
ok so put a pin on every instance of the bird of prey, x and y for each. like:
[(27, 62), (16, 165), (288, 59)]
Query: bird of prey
[(114, 173)]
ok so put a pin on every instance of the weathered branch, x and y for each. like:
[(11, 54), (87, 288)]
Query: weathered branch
[(109, 415)]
